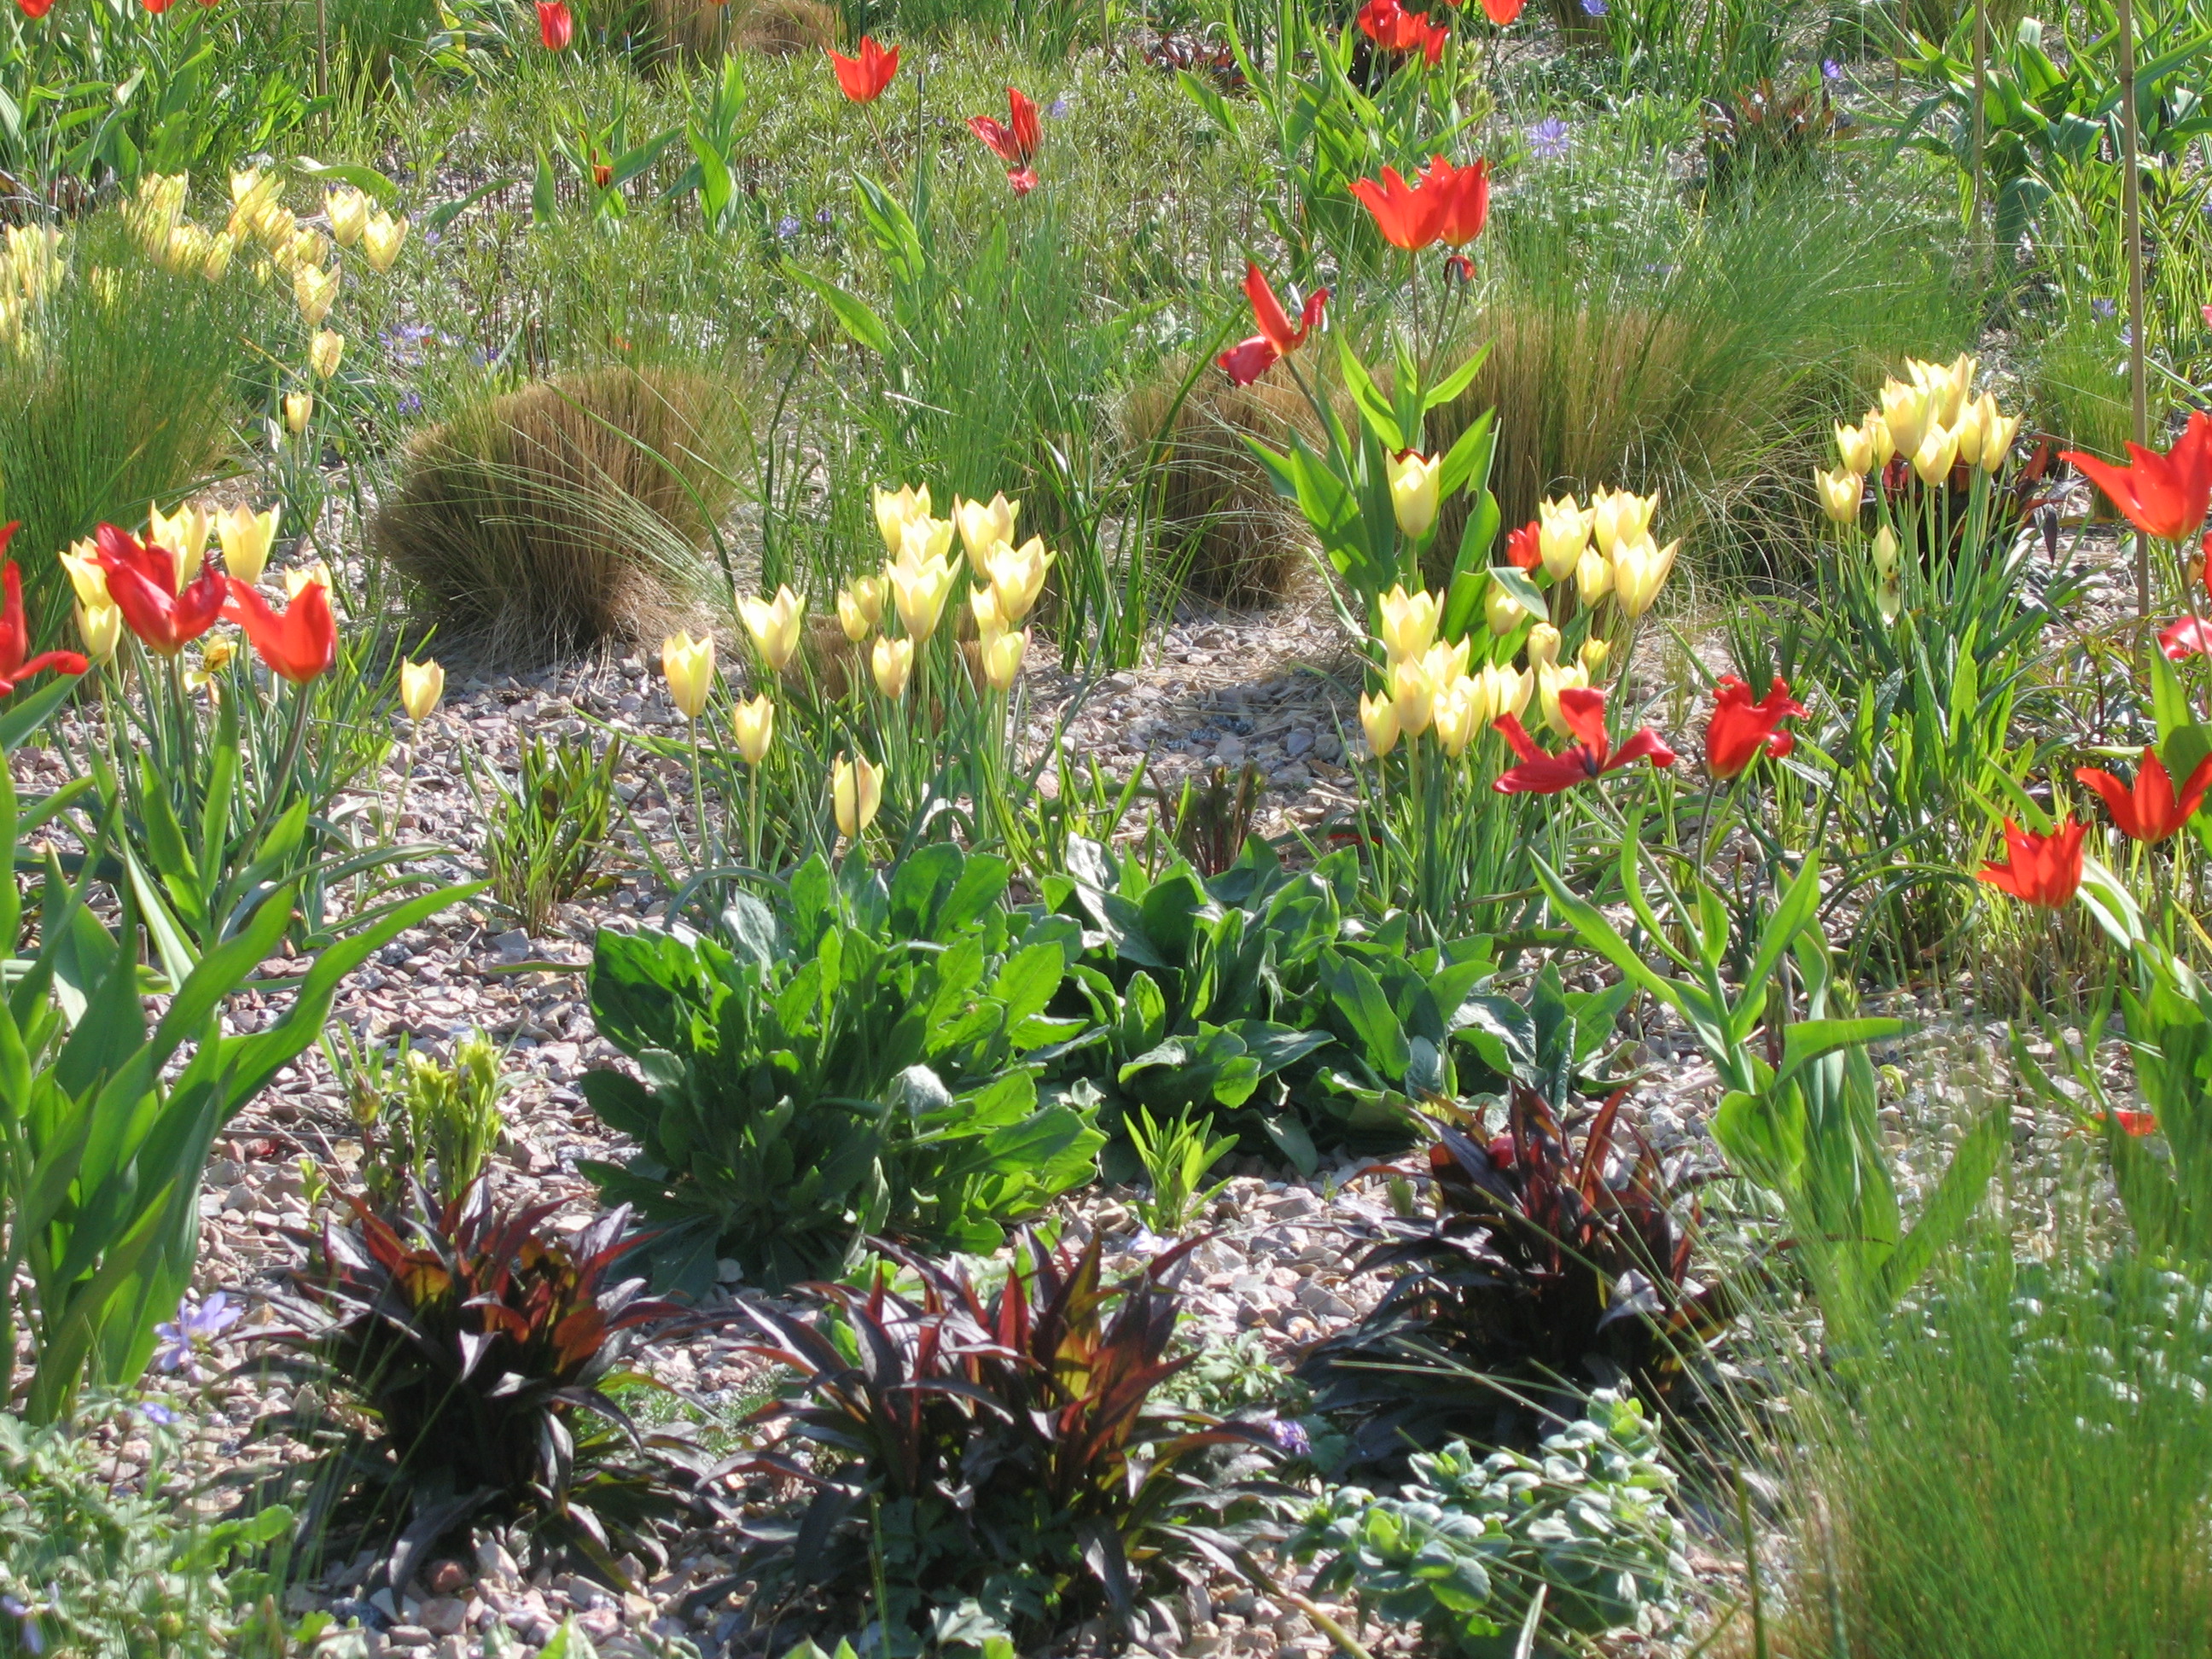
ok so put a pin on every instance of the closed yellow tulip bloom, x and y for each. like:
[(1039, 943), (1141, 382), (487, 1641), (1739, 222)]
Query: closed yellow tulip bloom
[(1938, 452), (1884, 441), (1503, 690), (216, 260), (1551, 680), (184, 533), (1593, 575), (381, 239), (85, 574), (856, 790), (1409, 622), (1621, 515), (1592, 657), (1854, 449), (893, 661), (347, 210), (1002, 657), (860, 607), (1413, 483), (325, 351), (1998, 432), (984, 525), (1502, 611), (1443, 663), (1904, 414), (1563, 530), (689, 665), (1640, 569), (774, 625), (983, 606), (1414, 695), (299, 410), (893, 509), (1543, 644), (273, 224), (920, 590), (1453, 717), (1884, 553), (246, 537), (422, 687), (100, 628), (1017, 574), (1378, 718), (1840, 494), (303, 247), (315, 291), (755, 723)]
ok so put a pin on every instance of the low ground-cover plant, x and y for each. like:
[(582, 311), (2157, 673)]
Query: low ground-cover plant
[(863, 1059), (1482, 1554), (997, 1466), (545, 838)]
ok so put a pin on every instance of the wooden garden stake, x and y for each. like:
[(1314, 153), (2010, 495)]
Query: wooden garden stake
[(2131, 219)]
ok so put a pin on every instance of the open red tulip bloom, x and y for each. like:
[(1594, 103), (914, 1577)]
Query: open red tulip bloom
[(1248, 360), (2151, 810), (16, 663), (1392, 27), (1445, 204), (555, 27), (1583, 710), (34, 10), (1740, 728), (2041, 870), (2189, 637), (862, 79), (1501, 12), (298, 645), (2162, 495), (1015, 143), (142, 581), (1525, 548)]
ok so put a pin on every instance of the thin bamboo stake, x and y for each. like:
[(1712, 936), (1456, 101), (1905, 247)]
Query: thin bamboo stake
[(1981, 139), (2131, 217)]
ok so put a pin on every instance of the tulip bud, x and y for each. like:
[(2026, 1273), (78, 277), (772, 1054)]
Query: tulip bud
[(323, 352), (273, 224), (860, 607), (1904, 413), (1938, 451), (983, 606), (347, 210), (689, 665), (300, 577), (1854, 449), (1502, 611), (1885, 552), (1889, 596), (86, 575), (754, 722), (1639, 571), (315, 291), (920, 590), (1378, 718), (1968, 432), (381, 239), (1413, 491), (1543, 644), (299, 410), (983, 525), (1409, 622), (1017, 574), (892, 661), (922, 538), (1840, 493), (246, 537), (774, 625), (216, 260), (1455, 716), (893, 509), (1505, 692), (1414, 695), (1443, 663), (856, 790), (1592, 658), (184, 533), (421, 685), (1593, 576), (1551, 680), (100, 628), (1563, 531), (1884, 440), (1002, 657), (217, 655)]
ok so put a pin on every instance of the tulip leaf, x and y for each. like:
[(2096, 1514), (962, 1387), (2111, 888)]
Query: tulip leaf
[(366, 179), (544, 192), (1457, 382), (858, 318), (1374, 408), (446, 212), (1526, 593)]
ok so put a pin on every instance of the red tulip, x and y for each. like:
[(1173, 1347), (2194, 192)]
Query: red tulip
[(2151, 810), (864, 78), (555, 27), (16, 637), (2189, 637), (2134, 1123), (1583, 710), (2041, 870), (1392, 27), (156, 7), (297, 646), (1016, 141), (2162, 495), (1249, 359), (1467, 199), (1445, 203), (1023, 179), (141, 579), (1525, 548), (1502, 12), (1740, 728), (34, 10)]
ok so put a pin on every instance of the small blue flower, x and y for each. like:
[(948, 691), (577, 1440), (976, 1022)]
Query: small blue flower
[(1549, 139), (198, 1325), (33, 1641), (1058, 107), (2127, 334), (155, 1412), (1595, 7), (1290, 1434), (2105, 308), (825, 217), (1831, 70), (411, 403), (786, 228)]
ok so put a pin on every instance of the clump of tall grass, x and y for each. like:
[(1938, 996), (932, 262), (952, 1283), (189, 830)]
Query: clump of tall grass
[(704, 29), (571, 511)]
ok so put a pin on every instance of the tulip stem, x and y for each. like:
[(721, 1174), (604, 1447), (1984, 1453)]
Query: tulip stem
[(272, 799)]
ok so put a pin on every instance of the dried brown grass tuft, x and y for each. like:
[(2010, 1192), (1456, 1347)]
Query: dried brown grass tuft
[(773, 29), (571, 512)]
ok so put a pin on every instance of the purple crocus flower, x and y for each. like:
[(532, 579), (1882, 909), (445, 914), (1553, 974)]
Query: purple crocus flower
[(1831, 70)]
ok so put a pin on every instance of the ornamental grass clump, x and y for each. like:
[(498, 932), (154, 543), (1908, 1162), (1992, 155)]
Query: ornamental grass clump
[(574, 511)]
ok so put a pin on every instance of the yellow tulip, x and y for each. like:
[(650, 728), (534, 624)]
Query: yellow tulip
[(923, 539), (859, 607), (1502, 611), (304, 247), (774, 625), (1889, 595), (1543, 644), (1378, 718), (1938, 452), (1884, 553), (856, 790), (983, 524), (1904, 414), (1884, 441), (156, 207), (1017, 574), (983, 604), (299, 410), (1563, 530), (1413, 693), (36, 258), (895, 509), (323, 352), (347, 210), (1002, 657), (689, 665), (299, 577), (273, 222), (893, 661), (381, 239), (422, 686), (216, 259), (251, 187), (1413, 491), (185, 249), (1854, 449), (246, 537), (315, 290), (1409, 622), (1455, 716), (1592, 657), (1551, 680), (100, 627), (1593, 575), (1443, 664), (1839, 494), (1998, 432), (1621, 515), (1640, 569), (919, 589), (756, 728), (86, 575), (184, 533), (1947, 386), (1501, 691)]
